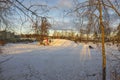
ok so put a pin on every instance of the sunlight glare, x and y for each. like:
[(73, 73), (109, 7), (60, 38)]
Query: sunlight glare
[(85, 52)]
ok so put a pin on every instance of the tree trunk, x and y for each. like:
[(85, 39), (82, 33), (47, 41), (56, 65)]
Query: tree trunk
[(103, 42)]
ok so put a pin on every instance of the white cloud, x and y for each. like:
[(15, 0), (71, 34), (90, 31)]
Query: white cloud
[(62, 25), (65, 3)]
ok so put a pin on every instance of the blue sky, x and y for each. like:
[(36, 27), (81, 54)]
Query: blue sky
[(56, 12)]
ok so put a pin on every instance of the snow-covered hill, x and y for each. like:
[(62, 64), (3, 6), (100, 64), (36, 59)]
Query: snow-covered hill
[(63, 43)]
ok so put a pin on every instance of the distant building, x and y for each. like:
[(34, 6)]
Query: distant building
[(6, 35)]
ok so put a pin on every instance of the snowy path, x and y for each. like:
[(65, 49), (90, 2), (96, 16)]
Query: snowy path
[(62, 60)]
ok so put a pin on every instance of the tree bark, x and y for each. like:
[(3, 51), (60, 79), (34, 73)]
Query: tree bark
[(103, 42)]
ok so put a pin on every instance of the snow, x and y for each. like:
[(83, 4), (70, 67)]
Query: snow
[(61, 60)]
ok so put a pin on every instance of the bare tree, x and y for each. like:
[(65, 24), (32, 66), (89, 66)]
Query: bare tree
[(5, 12), (45, 25), (32, 14), (97, 11), (118, 34)]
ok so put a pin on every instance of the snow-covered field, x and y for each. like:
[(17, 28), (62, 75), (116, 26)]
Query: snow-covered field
[(61, 60)]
